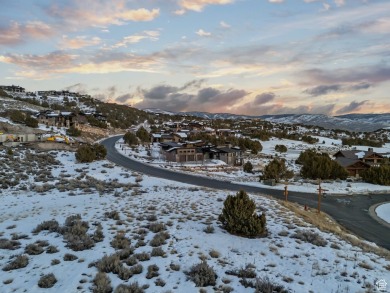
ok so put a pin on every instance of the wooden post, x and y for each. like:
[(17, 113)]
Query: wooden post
[(319, 196), (285, 192)]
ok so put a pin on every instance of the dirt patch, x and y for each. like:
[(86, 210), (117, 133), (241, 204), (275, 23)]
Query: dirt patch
[(48, 146)]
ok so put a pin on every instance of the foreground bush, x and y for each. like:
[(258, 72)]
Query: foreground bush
[(47, 281), (90, 153), (21, 261), (202, 275), (310, 237), (239, 217), (102, 283)]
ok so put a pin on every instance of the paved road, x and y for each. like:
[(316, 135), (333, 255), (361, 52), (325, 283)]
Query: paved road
[(349, 211)]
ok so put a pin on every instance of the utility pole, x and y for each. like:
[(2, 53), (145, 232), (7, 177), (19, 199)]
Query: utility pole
[(286, 191)]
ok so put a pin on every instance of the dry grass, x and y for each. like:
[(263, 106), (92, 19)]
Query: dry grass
[(325, 223)]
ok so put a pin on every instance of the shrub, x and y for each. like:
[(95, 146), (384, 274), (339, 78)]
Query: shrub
[(20, 261), (114, 215), (281, 148), (33, 249), (120, 241), (137, 269), (70, 257), (157, 251), (209, 229), (143, 256), (152, 272), (98, 235), (248, 272), (85, 154), (109, 264), (55, 262), (73, 131), (51, 249), (264, 284), (174, 267), (248, 167), (9, 244), (132, 288), (239, 217), (159, 239), (310, 237), (214, 253), (16, 116), (102, 283), (31, 122), (47, 281), (277, 170), (51, 226), (202, 275), (157, 227), (159, 282)]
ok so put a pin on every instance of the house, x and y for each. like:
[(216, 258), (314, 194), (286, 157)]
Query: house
[(58, 119), (355, 161), (229, 155), (12, 88), (180, 153), (179, 136)]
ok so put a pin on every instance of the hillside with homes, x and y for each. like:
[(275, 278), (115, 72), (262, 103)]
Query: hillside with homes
[(71, 220)]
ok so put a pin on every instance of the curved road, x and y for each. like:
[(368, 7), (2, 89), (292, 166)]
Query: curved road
[(349, 211)]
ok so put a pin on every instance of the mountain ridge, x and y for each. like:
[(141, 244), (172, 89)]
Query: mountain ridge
[(351, 122)]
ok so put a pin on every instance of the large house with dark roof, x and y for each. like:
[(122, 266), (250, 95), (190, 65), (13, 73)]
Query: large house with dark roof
[(355, 161)]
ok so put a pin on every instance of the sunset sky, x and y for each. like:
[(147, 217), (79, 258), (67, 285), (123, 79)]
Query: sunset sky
[(240, 56)]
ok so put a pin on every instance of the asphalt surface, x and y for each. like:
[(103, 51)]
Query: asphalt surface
[(350, 211)]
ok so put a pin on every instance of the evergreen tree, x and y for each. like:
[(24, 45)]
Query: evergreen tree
[(130, 138), (31, 122), (143, 135), (248, 167), (239, 216), (377, 175), (277, 170)]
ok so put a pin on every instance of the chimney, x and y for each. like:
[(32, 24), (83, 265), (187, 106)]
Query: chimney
[(370, 149)]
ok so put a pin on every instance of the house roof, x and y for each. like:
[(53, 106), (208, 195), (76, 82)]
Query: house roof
[(356, 154), (348, 162), (228, 150)]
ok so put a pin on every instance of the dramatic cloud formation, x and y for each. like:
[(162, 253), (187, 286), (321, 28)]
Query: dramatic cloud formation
[(352, 107), (177, 99), (246, 57)]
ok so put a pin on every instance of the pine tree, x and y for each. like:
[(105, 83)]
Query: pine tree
[(248, 167), (239, 216), (277, 170)]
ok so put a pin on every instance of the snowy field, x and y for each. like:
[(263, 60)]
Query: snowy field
[(383, 212), (138, 208), (219, 170)]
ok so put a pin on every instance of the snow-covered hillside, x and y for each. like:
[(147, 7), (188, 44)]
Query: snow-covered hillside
[(137, 207)]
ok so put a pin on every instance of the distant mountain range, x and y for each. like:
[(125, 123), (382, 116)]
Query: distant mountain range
[(351, 122)]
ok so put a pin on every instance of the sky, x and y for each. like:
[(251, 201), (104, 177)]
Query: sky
[(251, 57)]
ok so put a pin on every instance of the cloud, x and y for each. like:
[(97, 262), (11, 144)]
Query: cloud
[(275, 1), (322, 89), (16, 33), (198, 5), (203, 33), (326, 89), (178, 99), (48, 66), (367, 74), (352, 107), (136, 38), (264, 98), (99, 13), (224, 25), (124, 99), (79, 42), (339, 3)]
